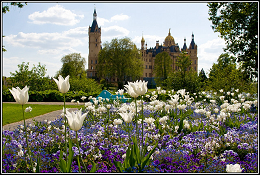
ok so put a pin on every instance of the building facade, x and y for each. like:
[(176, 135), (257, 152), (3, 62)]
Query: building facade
[(173, 49), (148, 55), (94, 33)]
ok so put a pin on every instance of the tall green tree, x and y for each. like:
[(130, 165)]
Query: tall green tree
[(120, 59), (184, 77), (202, 79), (34, 78), (162, 67), (237, 23), (183, 62), (225, 75), (73, 65)]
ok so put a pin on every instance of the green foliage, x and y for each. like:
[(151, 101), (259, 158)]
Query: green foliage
[(34, 78), (162, 67), (73, 65), (134, 159), (119, 58), (51, 95), (224, 75), (236, 22), (84, 84), (190, 82), (202, 79), (18, 4), (66, 166)]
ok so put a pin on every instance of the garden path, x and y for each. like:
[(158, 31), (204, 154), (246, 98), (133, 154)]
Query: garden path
[(48, 116)]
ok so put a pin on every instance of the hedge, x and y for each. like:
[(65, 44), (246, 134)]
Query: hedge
[(50, 96)]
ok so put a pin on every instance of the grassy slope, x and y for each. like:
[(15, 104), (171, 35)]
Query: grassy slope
[(13, 112)]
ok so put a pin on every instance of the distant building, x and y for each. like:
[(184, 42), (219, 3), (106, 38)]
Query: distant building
[(94, 33), (148, 55)]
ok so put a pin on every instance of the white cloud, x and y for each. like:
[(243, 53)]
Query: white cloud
[(55, 15), (101, 21), (209, 52), (114, 31), (120, 17), (51, 43)]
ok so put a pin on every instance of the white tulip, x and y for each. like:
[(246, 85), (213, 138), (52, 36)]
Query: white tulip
[(63, 85), (75, 119), (20, 96)]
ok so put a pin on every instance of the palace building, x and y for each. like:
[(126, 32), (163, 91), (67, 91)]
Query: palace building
[(148, 55)]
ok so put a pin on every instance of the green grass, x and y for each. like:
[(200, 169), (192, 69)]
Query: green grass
[(13, 112)]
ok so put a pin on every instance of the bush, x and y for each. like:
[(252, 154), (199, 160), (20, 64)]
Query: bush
[(50, 96)]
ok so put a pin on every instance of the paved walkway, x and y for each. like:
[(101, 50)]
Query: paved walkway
[(48, 116)]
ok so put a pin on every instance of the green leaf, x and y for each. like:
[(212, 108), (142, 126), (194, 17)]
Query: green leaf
[(147, 158), (71, 153), (38, 164), (62, 163), (94, 168)]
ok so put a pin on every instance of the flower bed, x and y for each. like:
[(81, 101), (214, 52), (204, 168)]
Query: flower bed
[(214, 135)]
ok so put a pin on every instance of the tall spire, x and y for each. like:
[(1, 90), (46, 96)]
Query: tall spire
[(169, 32), (94, 14)]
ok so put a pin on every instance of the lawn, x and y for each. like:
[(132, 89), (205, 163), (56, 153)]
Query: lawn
[(13, 112)]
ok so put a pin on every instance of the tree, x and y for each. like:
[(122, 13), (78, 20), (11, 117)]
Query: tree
[(73, 65), (120, 59), (202, 79), (183, 62), (162, 67), (18, 4), (34, 78), (6, 9), (237, 23), (225, 75)]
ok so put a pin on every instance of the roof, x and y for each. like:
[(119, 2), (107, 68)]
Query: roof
[(94, 24)]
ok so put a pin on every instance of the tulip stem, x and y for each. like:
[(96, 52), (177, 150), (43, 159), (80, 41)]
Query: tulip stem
[(65, 120), (142, 126), (137, 132), (25, 131), (79, 152)]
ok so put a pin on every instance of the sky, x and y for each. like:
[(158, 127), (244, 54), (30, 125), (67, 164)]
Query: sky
[(44, 32)]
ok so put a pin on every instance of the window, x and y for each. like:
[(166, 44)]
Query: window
[(146, 66), (96, 61), (91, 61), (145, 74), (195, 61), (195, 68), (96, 40), (96, 44)]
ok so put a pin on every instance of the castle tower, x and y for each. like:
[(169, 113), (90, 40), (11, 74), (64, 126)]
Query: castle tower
[(94, 33), (192, 51)]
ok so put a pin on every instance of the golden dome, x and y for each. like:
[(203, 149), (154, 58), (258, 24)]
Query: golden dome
[(169, 40), (142, 39)]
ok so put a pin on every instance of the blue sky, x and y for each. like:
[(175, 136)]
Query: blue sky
[(45, 32)]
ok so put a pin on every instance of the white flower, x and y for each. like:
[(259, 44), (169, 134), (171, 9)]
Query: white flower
[(75, 119), (28, 109), (73, 100), (63, 85), (117, 122), (233, 168), (121, 91), (149, 120), (20, 96), (127, 116), (123, 156), (83, 98), (139, 87), (20, 153)]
